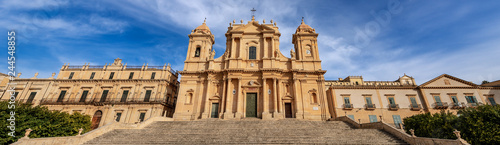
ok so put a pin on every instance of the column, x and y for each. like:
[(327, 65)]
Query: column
[(206, 111), (229, 101), (275, 90), (223, 99), (239, 111), (297, 97), (265, 111)]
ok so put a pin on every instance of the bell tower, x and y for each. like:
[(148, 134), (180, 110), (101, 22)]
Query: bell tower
[(305, 41), (200, 46)]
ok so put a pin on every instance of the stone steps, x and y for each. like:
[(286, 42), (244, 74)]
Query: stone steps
[(286, 131)]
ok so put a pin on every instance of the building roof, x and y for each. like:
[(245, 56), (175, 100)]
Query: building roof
[(450, 77), (492, 84)]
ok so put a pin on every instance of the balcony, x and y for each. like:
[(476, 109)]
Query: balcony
[(103, 101), (457, 105), (393, 106), (474, 105), (416, 107), (370, 106), (348, 106), (440, 105)]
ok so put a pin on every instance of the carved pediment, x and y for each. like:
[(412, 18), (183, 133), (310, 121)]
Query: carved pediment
[(253, 83)]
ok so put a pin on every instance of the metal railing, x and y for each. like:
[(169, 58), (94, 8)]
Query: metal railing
[(416, 106), (457, 105), (440, 105), (102, 101), (393, 106), (473, 105), (370, 106), (348, 106)]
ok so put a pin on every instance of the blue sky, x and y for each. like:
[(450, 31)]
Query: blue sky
[(423, 39)]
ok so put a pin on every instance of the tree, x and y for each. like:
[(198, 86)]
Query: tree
[(484, 82), (43, 122), (480, 125), (438, 125)]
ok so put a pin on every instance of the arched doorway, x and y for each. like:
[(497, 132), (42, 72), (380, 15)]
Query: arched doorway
[(96, 119)]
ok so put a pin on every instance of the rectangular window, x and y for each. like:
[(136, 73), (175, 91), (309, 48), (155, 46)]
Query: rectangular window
[(369, 103), (397, 120), (71, 75), (15, 94), (438, 100), (84, 96), (124, 96), (153, 75), (471, 99), (391, 101), (141, 117), (252, 53), (131, 76), (104, 95), (492, 101), (351, 116), (373, 118), (454, 99), (32, 96), (118, 116), (148, 94), (111, 75), (61, 96), (92, 75), (197, 52), (346, 100), (413, 102)]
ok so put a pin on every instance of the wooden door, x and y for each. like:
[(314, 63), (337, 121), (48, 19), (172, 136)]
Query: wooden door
[(288, 110), (215, 110), (251, 105), (96, 119)]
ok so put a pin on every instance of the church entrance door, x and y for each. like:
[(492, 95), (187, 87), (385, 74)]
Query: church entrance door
[(288, 110), (215, 110), (251, 109)]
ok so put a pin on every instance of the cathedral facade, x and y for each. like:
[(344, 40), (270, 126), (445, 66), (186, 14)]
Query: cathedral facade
[(253, 79)]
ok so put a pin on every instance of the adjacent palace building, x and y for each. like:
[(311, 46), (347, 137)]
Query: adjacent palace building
[(252, 79)]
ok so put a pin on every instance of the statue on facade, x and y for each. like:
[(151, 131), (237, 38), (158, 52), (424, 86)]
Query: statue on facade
[(292, 54)]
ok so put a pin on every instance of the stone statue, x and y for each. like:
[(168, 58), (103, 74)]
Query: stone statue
[(27, 133), (53, 74), (292, 54), (19, 75), (36, 74)]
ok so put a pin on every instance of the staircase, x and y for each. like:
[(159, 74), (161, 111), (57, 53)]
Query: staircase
[(248, 131)]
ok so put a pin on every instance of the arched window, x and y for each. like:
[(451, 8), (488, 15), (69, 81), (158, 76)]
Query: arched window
[(197, 52), (252, 52), (189, 98), (314, 98)]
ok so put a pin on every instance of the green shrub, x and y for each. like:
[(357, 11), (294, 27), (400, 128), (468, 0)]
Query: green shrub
[(479, 125), (43, 122)]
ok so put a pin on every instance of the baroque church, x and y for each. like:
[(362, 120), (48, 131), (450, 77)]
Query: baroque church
[(252, 79)]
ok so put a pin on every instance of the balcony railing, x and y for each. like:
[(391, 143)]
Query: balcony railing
[(102, 101), (348, 106), (393, 106), (440, 105), (370, 106), (416, 106), (457, 105), (474, 105)]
